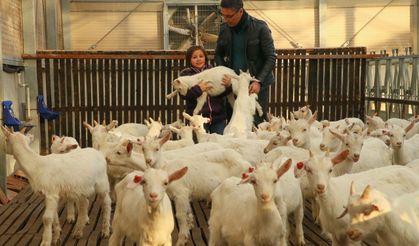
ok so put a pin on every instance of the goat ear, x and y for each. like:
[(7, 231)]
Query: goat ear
[(366, 193), (178, 174), (176, 82), (174, 129), (129, 147), (207, 120), (186, 116), (165, 138), (95, 123), (292, 117), (151, 120), (62, 140), (312, 118), (53, 137), (410, 126), (87, 126), (340, 157), (136, 181), (245, 178), (372, 207), (72, 146), (325, 123), (365, 132), (112, 125), (352, 190), (147, 123), (283, 168), (338, 135)]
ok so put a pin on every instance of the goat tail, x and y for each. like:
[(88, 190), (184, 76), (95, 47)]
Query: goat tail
[(172, 94)]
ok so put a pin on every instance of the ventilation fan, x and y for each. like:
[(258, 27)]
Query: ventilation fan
[(189, 25)]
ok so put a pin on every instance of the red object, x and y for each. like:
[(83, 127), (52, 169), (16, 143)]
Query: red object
[(251, 169), (137, 179), (300, 165), (244, 175)]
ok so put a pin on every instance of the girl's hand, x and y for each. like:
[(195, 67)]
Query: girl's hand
[(226, 80), (205, 86)]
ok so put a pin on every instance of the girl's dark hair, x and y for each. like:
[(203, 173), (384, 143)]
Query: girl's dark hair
[(191, 50), (235, 4)]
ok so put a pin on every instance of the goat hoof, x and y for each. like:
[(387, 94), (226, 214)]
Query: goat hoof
[(56, 241), (78, 233), (70, 219), (105, 233), (182, 240)]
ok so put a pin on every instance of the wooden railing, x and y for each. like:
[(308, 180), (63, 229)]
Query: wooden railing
[(131, 86)]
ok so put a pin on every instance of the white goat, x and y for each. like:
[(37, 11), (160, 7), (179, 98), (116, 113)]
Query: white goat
[(243, 210), (143, 210), (75, 175), (217, 165), (303, 134), (154, 127), (132, 129), (185, 132), (394, 221), (333, 192), (63, 144), (244, 108), (60, 145), (214, 76), (404, 150), (282, 138)]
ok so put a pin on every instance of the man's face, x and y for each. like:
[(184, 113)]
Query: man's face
[(231, 16)]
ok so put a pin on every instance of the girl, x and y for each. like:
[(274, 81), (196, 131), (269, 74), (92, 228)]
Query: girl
[(214, 108)]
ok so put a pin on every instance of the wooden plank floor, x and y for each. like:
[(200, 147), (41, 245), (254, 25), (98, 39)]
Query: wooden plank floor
[(21, 224)]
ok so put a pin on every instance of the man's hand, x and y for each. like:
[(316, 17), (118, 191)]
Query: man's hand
[(226, 80), (254, 87), (205, 86)]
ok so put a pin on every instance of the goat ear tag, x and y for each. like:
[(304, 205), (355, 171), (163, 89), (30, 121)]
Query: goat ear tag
[(137, 179), (300, 165), (135, 182)]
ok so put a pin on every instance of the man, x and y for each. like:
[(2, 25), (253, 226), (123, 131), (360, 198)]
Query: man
[(245, 43)]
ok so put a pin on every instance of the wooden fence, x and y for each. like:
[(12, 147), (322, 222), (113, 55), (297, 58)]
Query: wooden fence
[(131, 86)]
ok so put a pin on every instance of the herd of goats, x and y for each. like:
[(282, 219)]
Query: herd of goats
[(362, 178)]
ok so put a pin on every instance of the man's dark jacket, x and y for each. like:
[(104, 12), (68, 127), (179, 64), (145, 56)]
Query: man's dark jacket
[(260, 50)]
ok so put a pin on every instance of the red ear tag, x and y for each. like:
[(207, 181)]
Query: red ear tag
[(300, 165), (245, 175), (251, 169), (137, 179)]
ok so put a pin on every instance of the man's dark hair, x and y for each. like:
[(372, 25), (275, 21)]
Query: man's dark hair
[(191, 50), (235, 4)]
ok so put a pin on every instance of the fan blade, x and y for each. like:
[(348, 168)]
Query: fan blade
[(208, 19), (208, 37), (189, 17), (171, 12), (185, 44), (179, 30)]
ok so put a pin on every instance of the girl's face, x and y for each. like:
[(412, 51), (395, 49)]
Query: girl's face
[(198, 59)]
